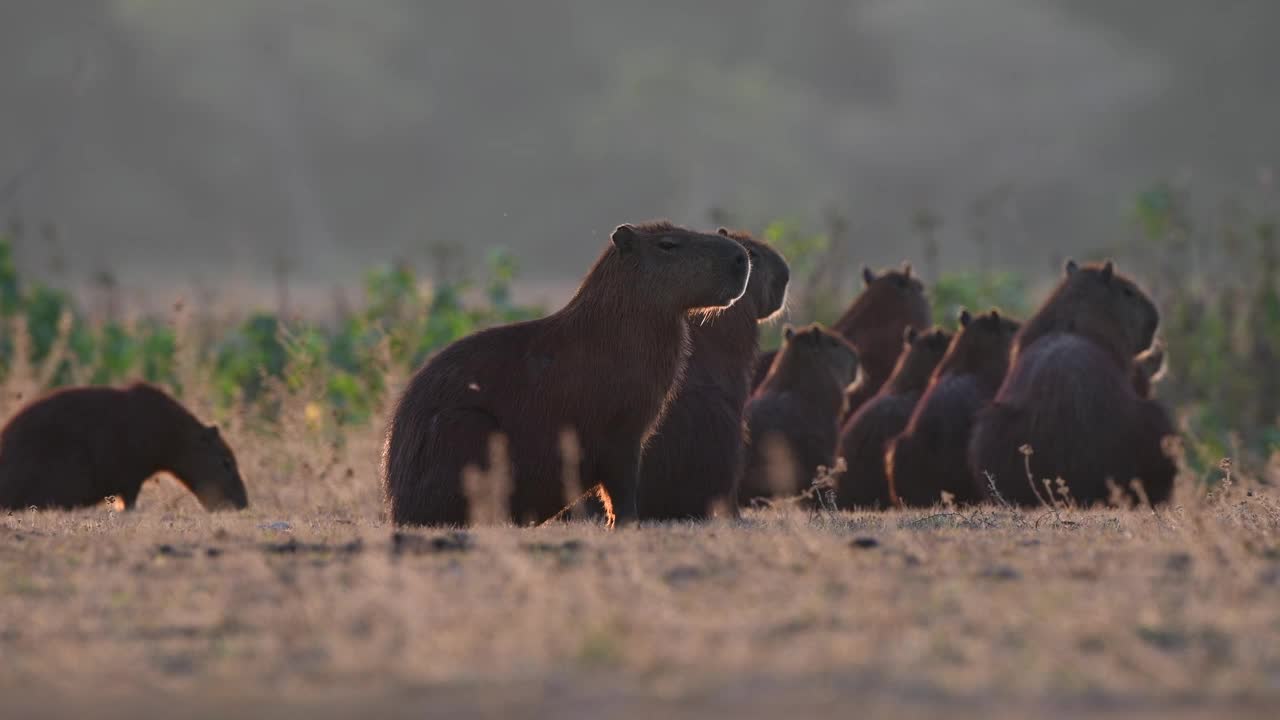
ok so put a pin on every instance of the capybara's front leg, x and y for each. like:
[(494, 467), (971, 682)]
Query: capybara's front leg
[(619, 473)]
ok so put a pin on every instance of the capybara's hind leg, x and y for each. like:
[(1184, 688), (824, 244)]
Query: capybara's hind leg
[(432, 492)]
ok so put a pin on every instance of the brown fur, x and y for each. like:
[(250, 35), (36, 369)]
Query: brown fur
[(77, 446), (929, 457), (695, 458), (874, 323), (1073, 395), (865, 436), (603, 367), (800, 404)]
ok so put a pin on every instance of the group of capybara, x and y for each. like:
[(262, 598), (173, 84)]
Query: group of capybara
[(653, 369)]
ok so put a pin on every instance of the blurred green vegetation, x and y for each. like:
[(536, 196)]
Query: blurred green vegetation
[(1217, 287)]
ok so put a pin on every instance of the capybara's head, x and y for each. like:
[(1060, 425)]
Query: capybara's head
[(981, 345), (896, 288), (208, 468), (921, 353), (688, 269), (822, 348), (1095, 295), (770, 275)]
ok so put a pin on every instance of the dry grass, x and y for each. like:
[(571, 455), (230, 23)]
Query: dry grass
[(307, 601)]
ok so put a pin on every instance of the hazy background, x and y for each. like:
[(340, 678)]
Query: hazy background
[(179, 142)]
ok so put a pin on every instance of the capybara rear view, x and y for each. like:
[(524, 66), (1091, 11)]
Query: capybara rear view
[(1075, 401), (866, 434), (929, 457), (78, 446), (695, 458), (793, 419), (602, 368), (890, 302)]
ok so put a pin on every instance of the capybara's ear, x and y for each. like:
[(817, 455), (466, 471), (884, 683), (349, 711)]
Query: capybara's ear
[(906, 268), (723, 231), (1108, 270), (868, 276), (910, 334), (623, 236), (1072, 267), (788, 332), (965, 318), (995, 313)]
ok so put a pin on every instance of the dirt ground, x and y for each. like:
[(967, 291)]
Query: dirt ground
[(325, 611)]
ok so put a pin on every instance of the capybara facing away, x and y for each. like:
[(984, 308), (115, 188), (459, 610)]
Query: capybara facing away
[(793, 419), (930, 456), (1073, 397), (78, 446), (695, 457), (864, 437), (889, 303), (603, 368)]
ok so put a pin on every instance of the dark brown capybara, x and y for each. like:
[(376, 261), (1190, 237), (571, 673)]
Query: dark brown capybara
[(76, 447), (866, 434), (793, 419), (694, 459), (603, 367), (1072, 396), (930, 456), (890, 303)]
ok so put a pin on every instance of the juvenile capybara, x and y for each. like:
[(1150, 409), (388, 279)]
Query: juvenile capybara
[(864, 437), (930, 456), (1073, 398), (695, 457), (793, 419), (603, 368), (890, 302), (78, 446)]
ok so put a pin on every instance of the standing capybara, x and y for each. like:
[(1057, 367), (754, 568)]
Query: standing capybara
[(793, 419), (695, 457), (603, 367), (890, 303), (1073, 398), (929, 457), (78, 446), (864, 438)]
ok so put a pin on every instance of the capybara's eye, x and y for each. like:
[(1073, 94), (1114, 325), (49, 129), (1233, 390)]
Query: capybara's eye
[(1128, 291), (668, 244)]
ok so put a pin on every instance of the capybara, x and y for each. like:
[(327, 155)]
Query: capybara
[(1073, 399), (793, 419), (78, 446), (603, 368), (864, 437), (890, 303), (695, 457), (930, 456)]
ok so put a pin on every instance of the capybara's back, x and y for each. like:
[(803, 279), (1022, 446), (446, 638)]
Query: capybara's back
[(602, 368), (864, 437), (793, 419), (695, 458), (1072, 400), (76, 447), (930, 456)]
